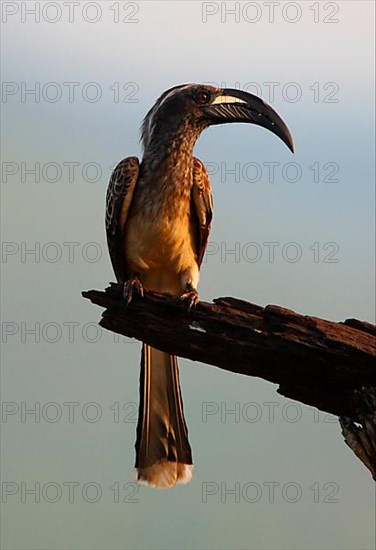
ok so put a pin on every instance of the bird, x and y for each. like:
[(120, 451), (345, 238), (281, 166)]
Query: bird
[(158, 217)]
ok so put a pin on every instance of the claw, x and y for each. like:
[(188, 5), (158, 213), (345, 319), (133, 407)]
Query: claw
[(131, 287), (191, 297)]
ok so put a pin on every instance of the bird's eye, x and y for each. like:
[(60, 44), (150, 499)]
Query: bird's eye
[(203, 96)]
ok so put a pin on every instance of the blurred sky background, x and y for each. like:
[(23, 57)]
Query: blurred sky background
[(299, 450)]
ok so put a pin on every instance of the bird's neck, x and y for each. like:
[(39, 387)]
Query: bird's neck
[(169, 159)]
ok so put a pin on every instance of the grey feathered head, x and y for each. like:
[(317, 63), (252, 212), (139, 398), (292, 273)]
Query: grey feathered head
[(194, 107)]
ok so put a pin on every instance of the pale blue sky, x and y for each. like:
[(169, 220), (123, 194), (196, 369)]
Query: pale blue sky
[(170, 45)]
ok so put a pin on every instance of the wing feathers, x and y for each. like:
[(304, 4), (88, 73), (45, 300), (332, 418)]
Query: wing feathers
[(119, 196), (202, 205)]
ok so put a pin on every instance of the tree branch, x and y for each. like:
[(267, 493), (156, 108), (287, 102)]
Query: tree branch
[(321, 363)]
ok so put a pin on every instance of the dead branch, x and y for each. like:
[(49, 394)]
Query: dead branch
[(321, 363)]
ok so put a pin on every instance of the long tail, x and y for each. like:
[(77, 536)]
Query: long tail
[(163, 453)]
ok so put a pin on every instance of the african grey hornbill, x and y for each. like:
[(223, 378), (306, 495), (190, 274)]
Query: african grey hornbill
[(158, 220)]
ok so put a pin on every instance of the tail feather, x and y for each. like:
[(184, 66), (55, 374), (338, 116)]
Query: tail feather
[(163, 453)]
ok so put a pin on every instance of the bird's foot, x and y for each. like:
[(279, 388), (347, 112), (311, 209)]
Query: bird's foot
[(131, 287), (190, 297)]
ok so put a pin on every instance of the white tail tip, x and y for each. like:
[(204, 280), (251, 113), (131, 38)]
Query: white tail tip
[(165, 474)]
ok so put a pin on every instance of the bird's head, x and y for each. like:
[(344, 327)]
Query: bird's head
[(190, 108)]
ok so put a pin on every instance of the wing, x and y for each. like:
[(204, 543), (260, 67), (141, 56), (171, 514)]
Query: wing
[(119, 196), (202, 205)]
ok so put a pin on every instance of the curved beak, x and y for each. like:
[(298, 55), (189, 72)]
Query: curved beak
[(232, 105)]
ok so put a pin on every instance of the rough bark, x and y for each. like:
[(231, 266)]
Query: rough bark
[(321, 363)]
